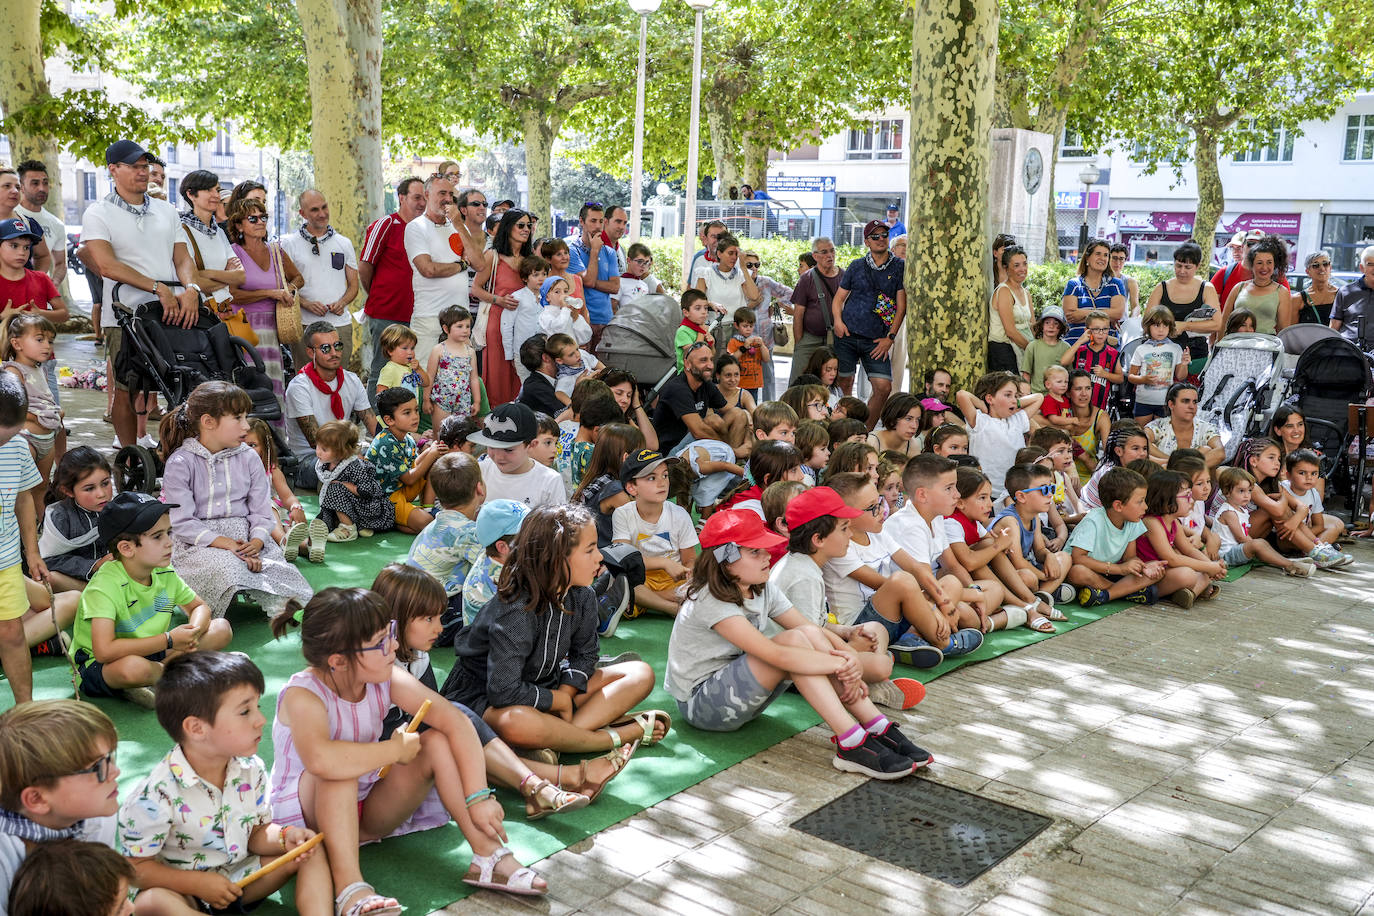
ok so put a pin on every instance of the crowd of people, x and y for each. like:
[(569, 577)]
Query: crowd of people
[(797, 535)]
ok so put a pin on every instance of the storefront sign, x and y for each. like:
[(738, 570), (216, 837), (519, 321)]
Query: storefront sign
[(821, 183), (1073, 200), (1273, 223), (1171, 223)]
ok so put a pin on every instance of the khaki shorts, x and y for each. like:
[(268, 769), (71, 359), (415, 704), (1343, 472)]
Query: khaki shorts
[(114, 339)]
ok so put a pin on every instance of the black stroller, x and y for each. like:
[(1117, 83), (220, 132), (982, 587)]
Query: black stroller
[(1332, 374), (160, 358)]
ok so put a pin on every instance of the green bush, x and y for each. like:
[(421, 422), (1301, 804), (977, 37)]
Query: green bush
[(778, 258), (1046, 282)]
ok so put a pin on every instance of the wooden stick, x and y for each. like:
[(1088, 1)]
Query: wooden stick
[(281, 860), (410, 729)]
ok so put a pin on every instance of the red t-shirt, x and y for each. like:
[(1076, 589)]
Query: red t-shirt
[(384, 247), (36, 290), (1227, 279), (1054, 407)]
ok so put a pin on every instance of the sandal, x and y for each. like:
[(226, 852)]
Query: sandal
[(1053, 613), (319, 539), (1040, 624), (520, 881), (646, 720), (343, 534), (1212, 591), (360, 907), (618, 758), (543, 798)]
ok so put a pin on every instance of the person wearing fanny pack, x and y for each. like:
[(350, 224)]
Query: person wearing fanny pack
[(812, 320)]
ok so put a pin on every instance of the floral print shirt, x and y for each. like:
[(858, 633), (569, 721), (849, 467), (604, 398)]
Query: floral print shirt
[(392, 457), (179, 819)]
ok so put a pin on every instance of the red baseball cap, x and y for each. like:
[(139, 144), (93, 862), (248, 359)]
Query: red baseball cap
[(815, 503), (741, 527), (874, 225)]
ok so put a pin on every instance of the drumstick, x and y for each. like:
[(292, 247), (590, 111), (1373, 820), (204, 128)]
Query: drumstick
[(281, 860), (410, 729)]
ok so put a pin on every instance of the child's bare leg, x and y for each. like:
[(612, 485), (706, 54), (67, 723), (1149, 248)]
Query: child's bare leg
[(900, 598), (611, 692), (330, 807), (817, 689), (61, 582), (1129, 585), (862, 710), (1212, 545), (129, 671), (875, 662), (1056, 566), (38, 621), (345, 520), (163, 901), (1012, 579), (428, 496), (415, 522), (314, 887), (1179, 577), (1332, 528), (664, 602), (438, 418), (1265, 552)]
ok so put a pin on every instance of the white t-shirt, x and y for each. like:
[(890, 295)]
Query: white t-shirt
[(995, 443), (566, 383), (802, 581), (323, 281), (1223, 530), (539, 486), (433, 296), (214, 253), (147, 248), (696, 651), (1312, 499), (303, 399), (847, 596), (1158, 360), (924, 541), (54, 231), (630, 290), (725, 290), (666, 537)]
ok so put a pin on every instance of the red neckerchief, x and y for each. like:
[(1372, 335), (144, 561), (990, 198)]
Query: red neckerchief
[(629, 276), (335, 398), (606, 240), (688, 323)]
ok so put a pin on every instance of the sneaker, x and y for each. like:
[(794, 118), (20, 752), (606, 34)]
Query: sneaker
[(1184, 598), (914, 651), (141, 696), (1147, 595), (1092, 597), (1326, 557), (1302, 567), (963, 642), (52, 647), (892, 736), (319, 539), (897, 693), (296, 535), (606, 661), (873, 757), (1063, 594), (613, 605), (1342, 559), (146, 441)]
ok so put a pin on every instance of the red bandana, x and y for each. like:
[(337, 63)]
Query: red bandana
[(335, 398)]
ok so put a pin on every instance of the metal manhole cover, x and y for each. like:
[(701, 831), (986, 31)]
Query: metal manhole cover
[(925, 827)]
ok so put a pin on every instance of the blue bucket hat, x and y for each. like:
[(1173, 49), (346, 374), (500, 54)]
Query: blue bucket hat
[(548, 285)]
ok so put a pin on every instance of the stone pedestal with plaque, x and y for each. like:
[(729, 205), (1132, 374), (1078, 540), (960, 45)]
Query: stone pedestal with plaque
[(1019, 188)]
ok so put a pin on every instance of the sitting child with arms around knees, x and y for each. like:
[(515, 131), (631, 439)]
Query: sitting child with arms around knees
[(1304, 481), (327, 753), (527, 664), (402, 469), (1168, 500), (418, 601), (1030, 487), (724, 672), (817, 523), (123, 633), (58, 781), (221, 503), (1231, 522), (1105, 565), (72, 878), (448, 549), (352, 500), (1280, 510), (658, 528), (70, 542), (200, 821)]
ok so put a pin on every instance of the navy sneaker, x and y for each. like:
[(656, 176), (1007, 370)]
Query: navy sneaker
[(1092, 597), (963, 642), (613, 605), (1147, 595), (892, 736), (873, 757), (914, 651)]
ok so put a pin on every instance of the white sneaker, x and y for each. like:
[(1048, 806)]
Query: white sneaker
[(147, 441), (1301, 567)]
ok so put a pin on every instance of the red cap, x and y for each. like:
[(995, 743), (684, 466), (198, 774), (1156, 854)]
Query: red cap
[(874, 225), (741, 527), (817, 502)]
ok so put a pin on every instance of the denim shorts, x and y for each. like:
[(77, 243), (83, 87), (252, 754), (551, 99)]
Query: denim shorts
[(896, 629), (729, 699), (853, 350), (1234, 555), (1160, 411)]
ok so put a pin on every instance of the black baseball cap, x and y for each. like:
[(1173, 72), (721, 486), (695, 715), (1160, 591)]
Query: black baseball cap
[(131, 513), (127, 152), (643, 462), (506, 426)]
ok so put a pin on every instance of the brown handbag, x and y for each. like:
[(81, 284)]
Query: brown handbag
[(289, 328), (232, 318)]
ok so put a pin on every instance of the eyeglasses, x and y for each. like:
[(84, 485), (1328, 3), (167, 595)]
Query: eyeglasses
[(875, 510), (1045, 488), (101, 768), (256, 219), (645, 262), (385, 645), (330, 348), (810, 404), (1320, 265)]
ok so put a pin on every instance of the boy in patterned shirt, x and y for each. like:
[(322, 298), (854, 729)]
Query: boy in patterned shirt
[(448, 549), (201, 819), (401, 467)]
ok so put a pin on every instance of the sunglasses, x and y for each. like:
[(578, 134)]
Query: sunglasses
[(695, 347), (101, 768), (384, 646), (476, 203), (752, 265), (258, 219), (1321, 264), (522, 225), (330, 348), (877, 235), (1045, 488)]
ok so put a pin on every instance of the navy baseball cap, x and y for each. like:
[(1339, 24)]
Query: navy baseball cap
[(131, 512), (17, 228), (125, 151)]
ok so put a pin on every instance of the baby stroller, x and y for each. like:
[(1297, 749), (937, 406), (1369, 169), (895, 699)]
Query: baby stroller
[(160, 358), (1238, 387), (1332, 373), (639, 338)]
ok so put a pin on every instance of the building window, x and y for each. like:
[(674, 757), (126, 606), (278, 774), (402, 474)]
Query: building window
[(1359, 138), (171, 154), (1275, 146), (174, 190), (883, 140), (1072, 146), (223, 142), (88, 185)]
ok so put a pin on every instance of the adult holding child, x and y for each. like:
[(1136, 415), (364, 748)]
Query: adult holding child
[(867, 311)]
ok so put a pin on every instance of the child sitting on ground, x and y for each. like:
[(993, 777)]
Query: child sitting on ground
[(498, 522), (402, 469), (402, 369), (1168, 499), (70, 542), (808, 402), (890, 466), (448, 548), (748, 348), (850, 408), (200, 820), (352, 500), (844, 430), (290, 515), (771, 461), (775, 420), (1304, 482), (1105, 565), (1231, 522), (454, 432), (1281, 511), (18, 534), (601, 490), (659, 529), (998, 423), (1126, 443), (599, 411), (122, 635), (812, 439), (1193, 466), (508, 470), (71, 878), (39, 741), (1031, 491), (695, 308), (948, 440), (853, 458), (724, 672), (543, 448), (1058, 447), (717, 472), (221, 503)]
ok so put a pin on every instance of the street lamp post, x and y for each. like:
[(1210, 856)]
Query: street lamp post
[(1088, 177), (643, 8), (689, 214)]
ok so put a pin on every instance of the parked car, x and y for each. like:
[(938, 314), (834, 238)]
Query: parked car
[(1298, 279)]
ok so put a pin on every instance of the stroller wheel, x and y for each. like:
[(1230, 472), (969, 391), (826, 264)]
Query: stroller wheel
[(136, 469)]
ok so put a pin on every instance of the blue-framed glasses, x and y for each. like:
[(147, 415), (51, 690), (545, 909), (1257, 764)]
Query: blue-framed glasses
[(385, 645)]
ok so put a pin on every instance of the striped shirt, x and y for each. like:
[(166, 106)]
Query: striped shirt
[(17, 474), (390, 296)]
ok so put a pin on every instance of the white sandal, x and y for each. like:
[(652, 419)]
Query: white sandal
[(521, 881), (357, 909), (646, 720), (343, 534)]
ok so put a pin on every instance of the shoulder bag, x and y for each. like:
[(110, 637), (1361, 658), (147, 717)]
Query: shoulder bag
[(483, 317)]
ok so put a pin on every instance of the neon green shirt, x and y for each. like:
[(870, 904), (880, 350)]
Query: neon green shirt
[(137, 610), (683, 339)]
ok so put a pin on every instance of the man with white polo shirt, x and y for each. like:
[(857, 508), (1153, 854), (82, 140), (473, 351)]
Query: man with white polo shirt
[(327, 262), (321, 392), (440, 275), (133, 239)]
